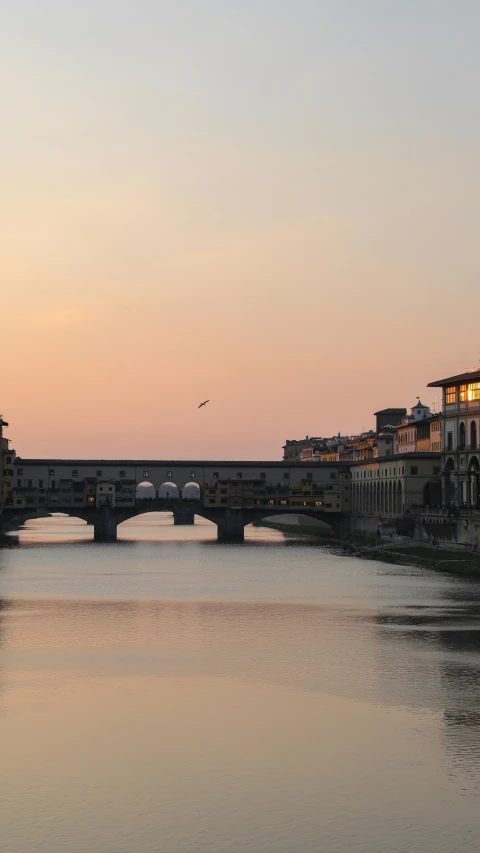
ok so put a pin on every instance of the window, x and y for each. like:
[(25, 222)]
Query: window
[(309, 475), (51, 472), (239, 475), (332, 475), (474, 391), (473, 436), (463, 393), (75, 472), (223, 500), (286, 475), (40, 484), (413, 469), (211, 500), (450, 395), (449, 440), (145, 474), (263, 476), (53, 484), (29, 484), (169, 475), (192, 475), (109, 488), (99, 473), (19, 501), (9, 460), (122, 474), (328, 506), (19, 484), (215, 475), (223, 491), (461, 436), (436, 469)]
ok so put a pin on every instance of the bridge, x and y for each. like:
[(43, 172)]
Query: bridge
[(231, 494)]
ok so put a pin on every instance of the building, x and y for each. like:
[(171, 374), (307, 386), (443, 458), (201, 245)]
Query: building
[(429, 434), (389, 418), (106, 493), (304, 448), (391, 487), (460, 436), (406, 431), (7, 458), (2, 425)]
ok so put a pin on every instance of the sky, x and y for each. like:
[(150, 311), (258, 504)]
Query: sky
[(272, 204)]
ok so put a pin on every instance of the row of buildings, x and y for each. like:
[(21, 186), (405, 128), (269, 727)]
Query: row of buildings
[(396, 432), (418, 459), (412, 461)]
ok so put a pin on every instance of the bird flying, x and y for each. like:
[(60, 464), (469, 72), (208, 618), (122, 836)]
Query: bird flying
[(203, 404)]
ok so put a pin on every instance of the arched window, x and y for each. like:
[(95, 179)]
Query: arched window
[(461, 436), (473, 436)]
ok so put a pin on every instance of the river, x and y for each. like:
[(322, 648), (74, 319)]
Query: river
[(169, 694)]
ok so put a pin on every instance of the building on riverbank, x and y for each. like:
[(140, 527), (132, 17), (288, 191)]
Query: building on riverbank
[(460, 439), (392, 487), (7, 458)]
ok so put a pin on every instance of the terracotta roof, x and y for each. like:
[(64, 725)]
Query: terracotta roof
[(470, 376)]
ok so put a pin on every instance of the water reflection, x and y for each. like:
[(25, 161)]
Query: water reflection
[(179, 696)]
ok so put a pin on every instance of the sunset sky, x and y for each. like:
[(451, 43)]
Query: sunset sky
[(273, 204)]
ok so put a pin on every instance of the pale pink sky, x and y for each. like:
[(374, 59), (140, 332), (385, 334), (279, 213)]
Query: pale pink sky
[(276, 209)]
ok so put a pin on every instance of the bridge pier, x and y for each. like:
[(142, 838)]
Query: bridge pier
[(184, 515), (231, 528), (105, 525)]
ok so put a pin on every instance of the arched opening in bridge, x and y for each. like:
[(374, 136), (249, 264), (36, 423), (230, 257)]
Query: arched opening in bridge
[(191, 492), (169, 491), (145, 491)]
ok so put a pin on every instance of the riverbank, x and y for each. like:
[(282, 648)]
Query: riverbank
[(405, 553)]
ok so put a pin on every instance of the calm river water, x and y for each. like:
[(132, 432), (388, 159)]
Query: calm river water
[(172, 695)]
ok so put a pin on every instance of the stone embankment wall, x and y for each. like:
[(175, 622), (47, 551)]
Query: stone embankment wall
[(462, 532), (369, 525), (437, 528)]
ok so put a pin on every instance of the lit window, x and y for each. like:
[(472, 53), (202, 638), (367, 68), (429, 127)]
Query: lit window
[(474, 391), (450, 395), (463, 393)]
